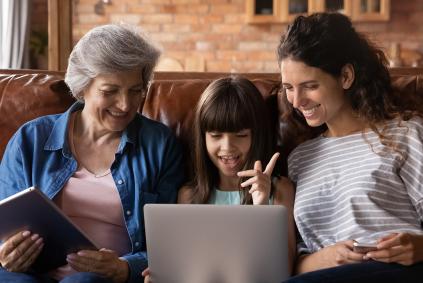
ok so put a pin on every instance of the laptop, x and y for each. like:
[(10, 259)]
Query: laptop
[(216, 243)]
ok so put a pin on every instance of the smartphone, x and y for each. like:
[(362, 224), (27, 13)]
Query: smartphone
[(364, 247)]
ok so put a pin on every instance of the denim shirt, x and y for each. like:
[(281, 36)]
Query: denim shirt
[(147, 169)]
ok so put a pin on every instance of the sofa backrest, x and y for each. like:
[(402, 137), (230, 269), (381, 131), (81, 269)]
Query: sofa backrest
[(27, 94)]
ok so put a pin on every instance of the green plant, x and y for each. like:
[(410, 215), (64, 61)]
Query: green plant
[(38, 42)]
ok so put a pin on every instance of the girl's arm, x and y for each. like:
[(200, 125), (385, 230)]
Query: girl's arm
[(185, 195)]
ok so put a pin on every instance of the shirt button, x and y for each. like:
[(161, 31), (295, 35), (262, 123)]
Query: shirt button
[(128, 212), (120, 182), (137, 244)]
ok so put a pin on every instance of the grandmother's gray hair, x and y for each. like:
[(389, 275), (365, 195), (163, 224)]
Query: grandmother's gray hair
[(109, 49)]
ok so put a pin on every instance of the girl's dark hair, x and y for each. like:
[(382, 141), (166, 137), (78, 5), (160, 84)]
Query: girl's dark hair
[(328, 41), (229, 105)]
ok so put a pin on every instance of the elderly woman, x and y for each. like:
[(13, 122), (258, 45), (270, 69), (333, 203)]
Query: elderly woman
[(100, 162)]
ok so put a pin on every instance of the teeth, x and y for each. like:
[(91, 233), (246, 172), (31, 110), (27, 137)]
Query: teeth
[(229, 158), (309, 112), (119, 114)]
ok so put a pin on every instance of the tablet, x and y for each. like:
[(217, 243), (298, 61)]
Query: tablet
[(31, 210)]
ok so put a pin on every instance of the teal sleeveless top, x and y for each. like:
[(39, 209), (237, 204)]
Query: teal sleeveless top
[(227, 197)]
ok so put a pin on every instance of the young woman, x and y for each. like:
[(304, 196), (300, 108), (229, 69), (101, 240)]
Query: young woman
[(232, 143), (361, 177)]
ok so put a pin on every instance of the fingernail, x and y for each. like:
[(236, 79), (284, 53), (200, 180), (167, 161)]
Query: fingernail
[(26, 233), (365, 257), (39, 241), (35, 236), (80, 253), (71, 257)]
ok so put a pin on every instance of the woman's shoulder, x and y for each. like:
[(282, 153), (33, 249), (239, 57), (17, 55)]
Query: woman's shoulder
[(38, 126), (404, 126), (147, 127), (307, 145)]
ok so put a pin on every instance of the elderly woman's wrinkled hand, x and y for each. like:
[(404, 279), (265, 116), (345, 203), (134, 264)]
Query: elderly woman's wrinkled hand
[(402, 248), (20, 251), (104, 262)]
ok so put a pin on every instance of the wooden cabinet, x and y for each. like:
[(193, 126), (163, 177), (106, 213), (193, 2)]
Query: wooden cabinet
[(284, 11), (371, 10), (263, 11)]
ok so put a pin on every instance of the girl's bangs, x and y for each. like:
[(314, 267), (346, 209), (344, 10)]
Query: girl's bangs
[(227, 113)]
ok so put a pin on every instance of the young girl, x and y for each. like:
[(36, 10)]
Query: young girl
[(232, 143), (232, 139)]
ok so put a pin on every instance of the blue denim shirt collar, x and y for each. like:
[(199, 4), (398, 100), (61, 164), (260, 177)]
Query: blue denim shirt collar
[(58, 137)]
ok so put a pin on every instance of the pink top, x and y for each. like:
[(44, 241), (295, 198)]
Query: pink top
[(93, 203)]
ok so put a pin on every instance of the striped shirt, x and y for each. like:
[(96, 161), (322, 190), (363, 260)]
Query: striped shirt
[(354, 187)]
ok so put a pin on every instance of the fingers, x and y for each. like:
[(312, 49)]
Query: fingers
[(24, 266), (257, 166), (20, 251), (388, 240), (93, 261), (13, 242), (250, 181), (26, 257), (391, 241), (269, 168), (145, 272)]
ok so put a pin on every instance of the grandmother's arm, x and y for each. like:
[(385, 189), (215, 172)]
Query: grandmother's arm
[(13, 176)]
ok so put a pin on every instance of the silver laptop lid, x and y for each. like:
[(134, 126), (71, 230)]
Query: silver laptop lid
[(216, 243)]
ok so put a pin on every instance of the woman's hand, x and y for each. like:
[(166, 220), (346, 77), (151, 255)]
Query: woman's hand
[(20, 251), (260, 181), (146, 275), (104, 262), (402, 248), (338, 254)]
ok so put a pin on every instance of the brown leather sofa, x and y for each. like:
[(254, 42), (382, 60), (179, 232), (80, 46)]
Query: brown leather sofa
[(27, 94)]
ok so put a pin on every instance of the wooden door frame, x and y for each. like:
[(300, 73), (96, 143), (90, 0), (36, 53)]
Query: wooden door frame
[(59, 33)]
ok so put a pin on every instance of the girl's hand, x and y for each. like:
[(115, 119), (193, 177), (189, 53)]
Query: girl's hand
[(104, 262), (260, 182), (20, 251), (146, 275), (402, 248)]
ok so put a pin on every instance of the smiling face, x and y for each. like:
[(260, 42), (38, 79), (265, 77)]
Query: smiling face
[(228, 151), (316, 94), (112, 101)]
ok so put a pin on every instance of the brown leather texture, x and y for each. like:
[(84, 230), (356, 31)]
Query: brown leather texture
[(28, 94)]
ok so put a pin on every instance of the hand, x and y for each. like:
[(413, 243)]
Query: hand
[(146, 275), (20, 251), (402, 248), (342, 253), (104, 262), (260, 182)]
